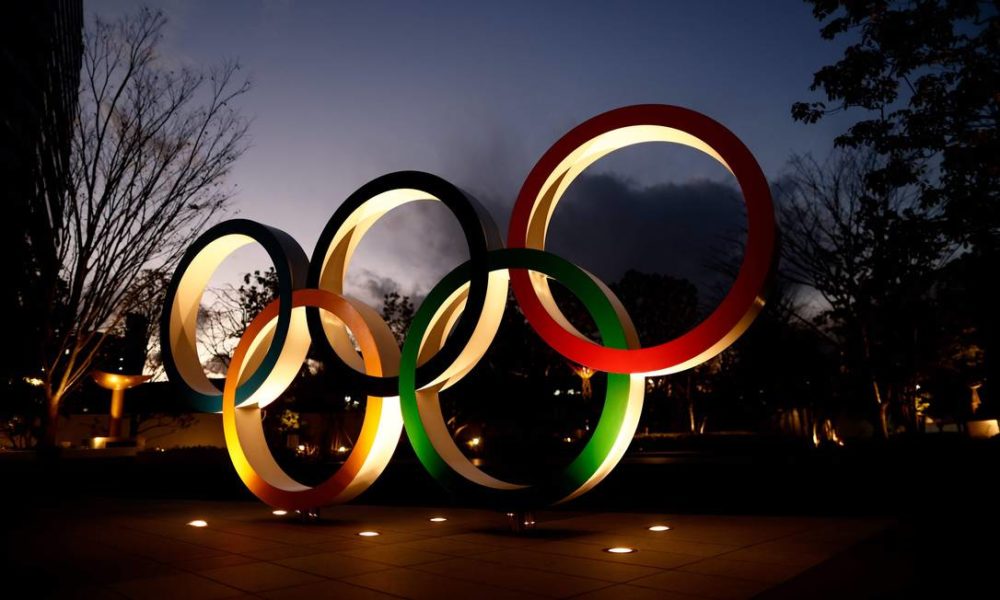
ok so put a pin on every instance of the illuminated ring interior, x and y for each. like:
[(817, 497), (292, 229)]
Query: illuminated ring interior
[(341, 237), (425, 424), (179, 320), (580, 148), (244, 430)]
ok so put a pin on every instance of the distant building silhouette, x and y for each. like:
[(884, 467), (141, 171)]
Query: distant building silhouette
[(125, 353)]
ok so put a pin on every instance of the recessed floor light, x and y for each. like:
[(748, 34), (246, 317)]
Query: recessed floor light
[(620, 550), (279, 512), (198, 523), (438, 519), (368, 533), (660, 528)]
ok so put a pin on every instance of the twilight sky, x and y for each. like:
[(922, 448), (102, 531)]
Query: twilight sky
[(476, 93)]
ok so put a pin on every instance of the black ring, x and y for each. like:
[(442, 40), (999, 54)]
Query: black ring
[(291, 266), (481, 234)]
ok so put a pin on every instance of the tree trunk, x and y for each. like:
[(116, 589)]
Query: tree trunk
[(883, 411), (916, 420), (51, 426), (692, 421), (883, 420)]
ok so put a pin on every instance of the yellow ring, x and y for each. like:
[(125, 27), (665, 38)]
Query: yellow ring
[(244, 432)]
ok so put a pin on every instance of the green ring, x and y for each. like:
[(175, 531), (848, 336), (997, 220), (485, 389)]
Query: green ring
[(608, 427)]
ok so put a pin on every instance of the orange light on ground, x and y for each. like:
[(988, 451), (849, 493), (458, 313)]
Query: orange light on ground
[(659, 528), (198, 523), (438, 519), (369, 533), (620, 550), (279, 513)]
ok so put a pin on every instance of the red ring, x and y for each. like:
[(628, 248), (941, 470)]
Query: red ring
[(745, 297)]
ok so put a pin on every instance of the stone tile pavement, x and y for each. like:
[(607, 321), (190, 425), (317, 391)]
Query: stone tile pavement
[(146, 549)]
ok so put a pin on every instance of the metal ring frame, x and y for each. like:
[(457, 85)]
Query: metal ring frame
[(457, 322)]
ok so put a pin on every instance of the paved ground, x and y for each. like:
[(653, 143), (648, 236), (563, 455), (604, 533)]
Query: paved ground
[(145, 549)]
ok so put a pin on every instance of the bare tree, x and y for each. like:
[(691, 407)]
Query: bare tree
[(151, 147), (870, 257)]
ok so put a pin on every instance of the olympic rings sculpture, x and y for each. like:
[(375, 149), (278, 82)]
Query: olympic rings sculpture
[(456, 323)]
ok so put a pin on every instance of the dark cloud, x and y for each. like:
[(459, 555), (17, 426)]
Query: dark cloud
[(371, 284), (605, 223), (407, 251), (608, 225)]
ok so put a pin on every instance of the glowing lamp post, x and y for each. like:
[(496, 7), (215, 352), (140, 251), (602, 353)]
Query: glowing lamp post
[(117, 383), (584, 373)]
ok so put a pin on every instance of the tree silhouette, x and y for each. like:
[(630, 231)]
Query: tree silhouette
[(151, 146), (256, 292), (397, 311), (926, 78), (662, 308), (871, 258)]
